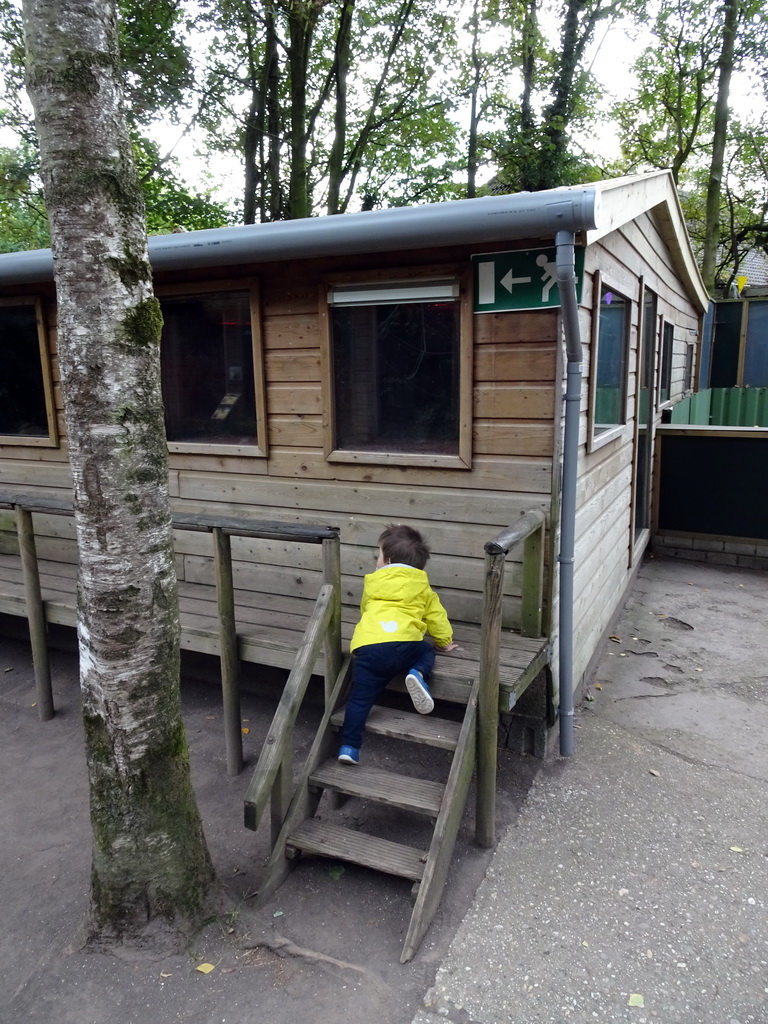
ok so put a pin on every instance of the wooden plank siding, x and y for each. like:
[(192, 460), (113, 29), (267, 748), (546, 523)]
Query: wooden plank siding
[(513, 367), (605, 553)]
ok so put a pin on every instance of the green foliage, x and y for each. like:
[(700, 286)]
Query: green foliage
[(668, 118), (559, 94), (170, 204), (155, 53), (23, 220), (331, 104), (670, 121)]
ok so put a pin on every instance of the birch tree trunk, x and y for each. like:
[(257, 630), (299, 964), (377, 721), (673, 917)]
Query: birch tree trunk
[(152, 876)]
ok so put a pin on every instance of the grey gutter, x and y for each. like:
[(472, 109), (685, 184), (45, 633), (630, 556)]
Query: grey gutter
[(489, 219)]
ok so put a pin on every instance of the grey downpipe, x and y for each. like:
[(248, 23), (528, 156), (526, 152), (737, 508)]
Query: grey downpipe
[(566, 280)]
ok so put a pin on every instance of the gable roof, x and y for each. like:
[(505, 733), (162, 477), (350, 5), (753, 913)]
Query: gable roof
[(590, 211), (623, 199)]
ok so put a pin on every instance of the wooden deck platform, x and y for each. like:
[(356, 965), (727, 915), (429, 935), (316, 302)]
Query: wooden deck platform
[(270, 627)]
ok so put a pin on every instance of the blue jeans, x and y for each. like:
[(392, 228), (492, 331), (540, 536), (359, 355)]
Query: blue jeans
[(374, 667)]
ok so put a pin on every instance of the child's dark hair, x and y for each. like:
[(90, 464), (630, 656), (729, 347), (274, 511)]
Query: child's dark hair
[(404, 544)]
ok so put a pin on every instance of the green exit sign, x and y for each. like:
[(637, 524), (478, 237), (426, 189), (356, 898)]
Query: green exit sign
[(524, 279)]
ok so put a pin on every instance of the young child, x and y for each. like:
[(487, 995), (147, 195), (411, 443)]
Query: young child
[(397, 609)]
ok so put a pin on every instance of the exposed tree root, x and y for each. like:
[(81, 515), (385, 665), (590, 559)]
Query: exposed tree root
[(283, 947)]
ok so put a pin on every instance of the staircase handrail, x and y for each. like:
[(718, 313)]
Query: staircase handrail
[(273, 774)]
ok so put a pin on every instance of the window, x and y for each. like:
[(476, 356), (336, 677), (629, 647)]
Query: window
[(689, 361), (396, 356), (211, 371), (610, 358), (26, 396), (665, 376)]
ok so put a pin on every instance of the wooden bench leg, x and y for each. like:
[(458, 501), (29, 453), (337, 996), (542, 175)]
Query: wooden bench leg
[(35, 613)]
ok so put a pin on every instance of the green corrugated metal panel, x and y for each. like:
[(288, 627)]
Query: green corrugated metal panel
[(681, 413), (717, 407), (701, 405), (739, 407), (724, 407)]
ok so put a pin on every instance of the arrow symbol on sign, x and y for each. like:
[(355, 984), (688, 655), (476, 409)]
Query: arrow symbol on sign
[(508, 281)]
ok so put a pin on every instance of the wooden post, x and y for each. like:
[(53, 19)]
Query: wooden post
[(488, 700), (533, 583), (230, 663), (35, 613), (332, 575)]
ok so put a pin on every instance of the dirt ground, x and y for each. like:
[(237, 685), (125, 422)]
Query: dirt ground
[(325, 948)]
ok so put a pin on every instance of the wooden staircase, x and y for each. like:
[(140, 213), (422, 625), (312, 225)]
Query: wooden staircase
[(442, 802), (471, 679)]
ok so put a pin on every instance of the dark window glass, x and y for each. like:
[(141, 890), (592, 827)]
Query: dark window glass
[(22, 391), (667, 347), (611, 369), (396, 373), (756, 354), (207, 364)]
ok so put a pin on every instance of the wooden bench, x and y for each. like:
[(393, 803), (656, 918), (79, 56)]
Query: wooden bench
[(243, 625)]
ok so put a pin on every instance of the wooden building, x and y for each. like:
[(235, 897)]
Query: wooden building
[(401, 365)]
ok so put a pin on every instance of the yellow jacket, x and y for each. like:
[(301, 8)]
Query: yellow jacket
[(399, 604)]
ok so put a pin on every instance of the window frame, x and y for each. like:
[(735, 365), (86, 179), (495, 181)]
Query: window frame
[(251, 287), (402, 277), (51, 440), (596, 441)]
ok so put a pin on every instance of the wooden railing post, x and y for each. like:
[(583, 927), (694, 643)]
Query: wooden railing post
[(528, 529), (230, 662), (35, 613), (533, 583), (488, 700), (332, 575)]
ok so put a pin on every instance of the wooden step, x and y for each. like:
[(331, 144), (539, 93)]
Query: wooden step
[(384, 787), (326, 840), (406, 725)]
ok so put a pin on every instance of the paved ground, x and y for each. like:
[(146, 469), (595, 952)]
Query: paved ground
[(634, 885), (634, 873)]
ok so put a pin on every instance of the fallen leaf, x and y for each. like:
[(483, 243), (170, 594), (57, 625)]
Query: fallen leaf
[(245, 731), (585, 943), (636, 1000), (336, 871), (616, 639), (205, 968), (598, 686), (735, 849)]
